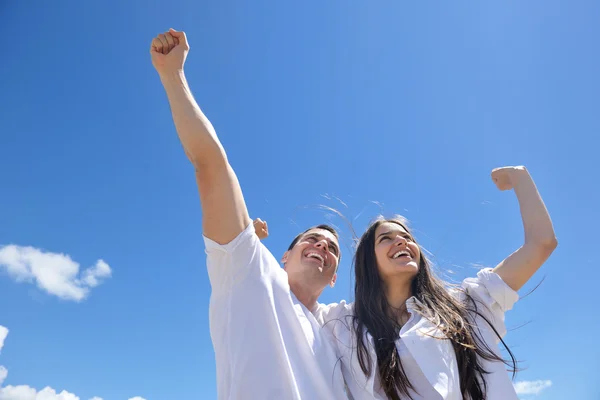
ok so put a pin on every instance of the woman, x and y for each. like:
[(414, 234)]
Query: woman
[(411, 335)]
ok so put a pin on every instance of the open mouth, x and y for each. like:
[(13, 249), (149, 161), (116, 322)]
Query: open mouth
[(316, 256), (402, 253)]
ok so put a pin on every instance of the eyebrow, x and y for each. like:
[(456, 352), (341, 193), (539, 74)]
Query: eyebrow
[(319, 236), (406, 234)]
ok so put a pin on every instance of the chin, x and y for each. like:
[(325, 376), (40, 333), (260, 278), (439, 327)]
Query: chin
[(409, 269)]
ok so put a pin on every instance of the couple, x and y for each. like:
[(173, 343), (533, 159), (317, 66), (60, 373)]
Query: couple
[(407, 334)]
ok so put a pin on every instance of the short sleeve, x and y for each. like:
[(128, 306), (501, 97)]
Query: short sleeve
[(228, 263), (489, 290)]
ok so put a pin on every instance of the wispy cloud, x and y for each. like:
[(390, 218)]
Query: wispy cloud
[(3, 335), (3, 374), (54, 273), (532, 387)]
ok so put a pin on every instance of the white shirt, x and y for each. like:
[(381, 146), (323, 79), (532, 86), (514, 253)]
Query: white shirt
[(430, 363), (267, 344)]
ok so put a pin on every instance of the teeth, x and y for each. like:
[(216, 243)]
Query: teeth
[(315, 255), (401, 253)]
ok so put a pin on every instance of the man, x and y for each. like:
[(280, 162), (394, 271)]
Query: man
[(268, 344)]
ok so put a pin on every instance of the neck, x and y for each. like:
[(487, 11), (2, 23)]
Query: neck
[(397, 292), (304, 294)]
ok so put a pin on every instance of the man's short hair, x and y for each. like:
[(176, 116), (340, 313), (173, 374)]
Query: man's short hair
[(322, 226)]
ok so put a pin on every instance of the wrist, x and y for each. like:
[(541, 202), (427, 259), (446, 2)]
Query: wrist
[(520, 177), (176, 76)]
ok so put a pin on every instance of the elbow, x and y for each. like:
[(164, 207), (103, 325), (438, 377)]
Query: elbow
[(211, 174), (204, 162), (547, 246), (552, 244)]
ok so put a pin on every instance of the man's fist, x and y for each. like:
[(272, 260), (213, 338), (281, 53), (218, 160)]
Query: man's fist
[(261, 228), (169, 51), (506, 178)]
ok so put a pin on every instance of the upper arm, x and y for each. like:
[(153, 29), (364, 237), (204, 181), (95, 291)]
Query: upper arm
[(519, 267), (224, 212)]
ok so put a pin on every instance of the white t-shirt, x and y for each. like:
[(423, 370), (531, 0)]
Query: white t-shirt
[(267, 344), (429, 363)]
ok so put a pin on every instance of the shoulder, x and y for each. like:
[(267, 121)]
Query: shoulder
[(244, 240), (488, 287), (233, 262), (490, 297), (328, 312)]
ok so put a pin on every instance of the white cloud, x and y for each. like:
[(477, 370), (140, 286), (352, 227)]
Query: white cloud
[(93, 276), (137, 398), (532, 387), (55, 273), (3, 335), (24, 392)]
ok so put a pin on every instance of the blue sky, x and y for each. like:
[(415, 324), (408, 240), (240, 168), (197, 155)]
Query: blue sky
[(388, 106)]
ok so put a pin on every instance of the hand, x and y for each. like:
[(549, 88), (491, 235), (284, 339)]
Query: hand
[(261, 228), (169, 51), (506, 178)]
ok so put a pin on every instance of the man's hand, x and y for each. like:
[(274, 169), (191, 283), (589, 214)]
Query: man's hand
[(169, 51), (261, 228)]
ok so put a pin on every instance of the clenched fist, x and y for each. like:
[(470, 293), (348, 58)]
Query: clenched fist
[(169, 51), (506, 178)]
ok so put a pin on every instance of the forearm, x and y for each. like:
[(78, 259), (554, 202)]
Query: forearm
[(195, 131), (536, 220)]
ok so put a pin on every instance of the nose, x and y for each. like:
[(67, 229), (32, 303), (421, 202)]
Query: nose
[(400, 240), (322, 244)]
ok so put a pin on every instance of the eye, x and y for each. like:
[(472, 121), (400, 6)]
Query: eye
[(384, 238), (311, 239)]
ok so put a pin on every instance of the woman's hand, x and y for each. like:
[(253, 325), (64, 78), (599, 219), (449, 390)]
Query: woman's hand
[(506, 178)]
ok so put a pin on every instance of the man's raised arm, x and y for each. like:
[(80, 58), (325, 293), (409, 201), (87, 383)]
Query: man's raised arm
[(224, 213)]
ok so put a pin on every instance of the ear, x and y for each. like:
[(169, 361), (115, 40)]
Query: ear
[(285, 257), (332, 283)]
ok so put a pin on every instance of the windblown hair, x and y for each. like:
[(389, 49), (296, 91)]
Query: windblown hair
[(454, 318)]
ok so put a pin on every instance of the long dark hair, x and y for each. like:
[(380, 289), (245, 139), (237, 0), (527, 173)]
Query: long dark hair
[(373, 314)]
